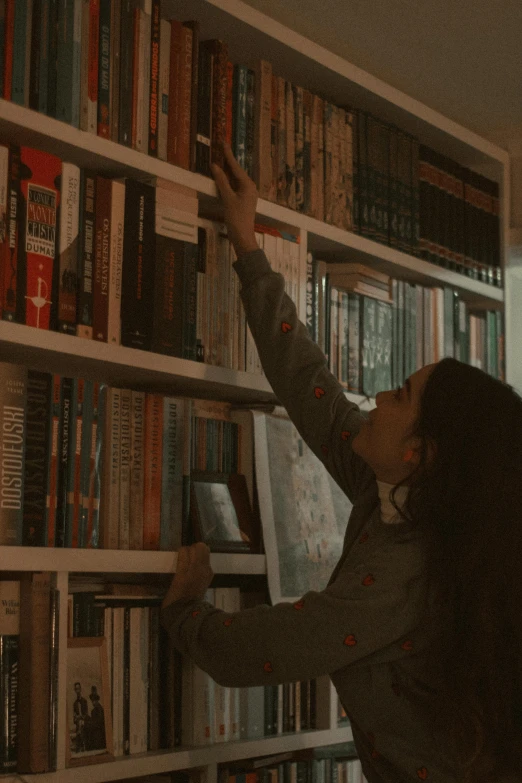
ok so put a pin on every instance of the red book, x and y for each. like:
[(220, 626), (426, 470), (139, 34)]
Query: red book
[(230, 92), (8, 48), (11, 249), (39, 200), (180, 95), (154, 77), (101, 259), (152, 471)]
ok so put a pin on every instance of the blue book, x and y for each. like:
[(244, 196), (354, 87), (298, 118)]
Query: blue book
[(172, 473)]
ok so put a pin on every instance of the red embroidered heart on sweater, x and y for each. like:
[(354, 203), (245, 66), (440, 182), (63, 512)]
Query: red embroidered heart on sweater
[(422, 773), (375, 754), (364, 538), (268, 667), (345, 434), (324, 449), (368, 580), (407, 645), (286, 327), (196, 612), (396, 689), (371, 737), (350, 641), (299, 605), (319, 392), (227, 622)]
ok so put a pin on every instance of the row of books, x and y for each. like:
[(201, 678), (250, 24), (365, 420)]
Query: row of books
[(377, 331), (185, 706), (121, 70), (329, 764), (96, 466)]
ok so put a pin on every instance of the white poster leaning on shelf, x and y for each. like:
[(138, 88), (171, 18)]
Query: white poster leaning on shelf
[(303, 511)]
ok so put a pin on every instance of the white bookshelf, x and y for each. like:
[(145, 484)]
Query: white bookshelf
[(250, 35)]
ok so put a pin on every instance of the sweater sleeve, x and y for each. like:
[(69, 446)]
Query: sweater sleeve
[(367, 615), (297, 371)]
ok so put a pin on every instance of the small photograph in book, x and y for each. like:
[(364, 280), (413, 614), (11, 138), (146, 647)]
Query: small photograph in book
[(304, 513), (89, 734)]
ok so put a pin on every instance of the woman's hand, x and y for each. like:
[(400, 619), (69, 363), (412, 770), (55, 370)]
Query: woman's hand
[(193, 574), (239, 196)]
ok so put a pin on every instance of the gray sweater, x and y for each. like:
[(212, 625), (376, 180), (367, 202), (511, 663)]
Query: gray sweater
[(375, 626)]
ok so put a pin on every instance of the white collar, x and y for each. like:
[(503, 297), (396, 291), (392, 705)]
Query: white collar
[(389, 513)]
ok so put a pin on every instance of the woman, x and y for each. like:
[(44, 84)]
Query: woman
[(418, 627)]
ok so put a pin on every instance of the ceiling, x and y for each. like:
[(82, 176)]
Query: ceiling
[(462, 58)]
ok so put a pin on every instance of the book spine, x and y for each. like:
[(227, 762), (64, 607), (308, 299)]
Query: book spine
[(172, 474), (100, 106), (138, 266), (34, 691), (9, 673), (249, 123), (239, 114), (69, 61), (167, 320), (20, 34), (64, 438), (53, 462), (8, 49), (204, 113), (163, 99), (137, 469), (180, 95), (52, 74), (307, 163), (101, 258), (262, 128), (84, 318), (96, 464), (74, 466), (95, 30), (299, 148), (274, 139), (85, 460), (152, 471), (36, 463), (126, 72), (35, 43), (219, 99), (38, 213), (4, 212), (126, 680), (115, 262), (281, 142), (135, 74), (114, 67), (229, 130), (12, 240), (13, 429), (68, 247), (142, 114), (110, 500), (125, 442), (155, 58), (194, 26)]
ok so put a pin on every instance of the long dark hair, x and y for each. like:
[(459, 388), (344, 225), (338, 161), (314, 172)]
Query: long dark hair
[(467, 495)]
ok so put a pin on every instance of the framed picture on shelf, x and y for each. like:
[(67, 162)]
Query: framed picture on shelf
[(89, 721), (220, 511)]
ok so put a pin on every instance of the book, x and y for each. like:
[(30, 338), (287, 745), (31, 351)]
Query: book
[(153, 468), (174, 425), (68, 56), (102, 258), (164, 89), (180, 95), (125, 468), (114, 69), (219, 51), (13, 405), (36, 458), (86, 256), (9, 670), (34, 673), (115, 262), (69, 245), (11, 248), (102, 70), (89, 65), (110, 484), (137, 454), (39, 200), (262, 127), (155, 58)]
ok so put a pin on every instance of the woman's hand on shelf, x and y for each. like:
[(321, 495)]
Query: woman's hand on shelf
[(239, 195), (193, 574)]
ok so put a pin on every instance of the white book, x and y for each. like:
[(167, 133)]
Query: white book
[(163, 89), (116, 262), (232, 604), (68, 246), (125, 444), (137, 453), (110, 501)]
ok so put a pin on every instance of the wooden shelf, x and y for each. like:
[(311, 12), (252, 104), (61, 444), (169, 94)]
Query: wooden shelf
[(169, 761), (28, 558)]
